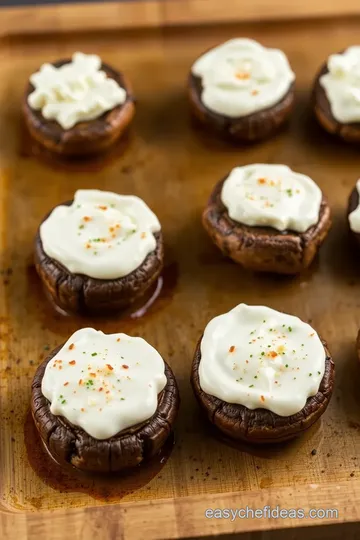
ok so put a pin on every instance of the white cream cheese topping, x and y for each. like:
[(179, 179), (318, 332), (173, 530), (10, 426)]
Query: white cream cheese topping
[(342, 85), (101, 234), (354, 216), (104, 383), (261, 358), (75, 92), (271, 196), (241, 77)]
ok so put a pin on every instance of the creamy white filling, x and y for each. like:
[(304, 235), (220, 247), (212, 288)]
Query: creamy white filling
[(354, 216), (261, 358), (241, 77), (272, 196), (101, 234), (342, 85), (75, 92), (104, 383)]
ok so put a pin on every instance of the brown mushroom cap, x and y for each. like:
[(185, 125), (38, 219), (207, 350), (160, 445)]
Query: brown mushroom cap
[(69, 444), (261, 425), (84, 138), (252, 127), (78, 293), (353, 203), (264, 249), (349, 132)]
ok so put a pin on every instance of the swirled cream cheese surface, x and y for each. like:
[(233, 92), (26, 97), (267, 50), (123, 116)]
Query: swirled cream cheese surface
[(101, 234), (75, 92), (241, 77), (104, 383), (342, 85), (272, 196), (354, 216), (261, 358)]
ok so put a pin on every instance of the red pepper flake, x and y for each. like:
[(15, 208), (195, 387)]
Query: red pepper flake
[(276, 382), (242, 75), (88, 246), (87, 218), (118, 339), (72, 362), (60, 367), (107, 392), (117, 226), (125, 366), (232, 348), (82, 409), (262, 398), (92, 374), (109, 367), (101, 389), (254, 92), (311, 335), (71, 347), (143, 235), (102, 207), (80, 382), (262, 181), (273, 354), (246, 361), (66, 383), (111, 229), (113, 235)]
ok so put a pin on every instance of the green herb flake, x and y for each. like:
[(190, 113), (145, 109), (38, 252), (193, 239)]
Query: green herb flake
[(251, 386), (94, 354), (310, 374), (81, 226), (263, 354), (289, 192), (122, 399), (289, 328), (286, 365), (319, 372), (63, 402)]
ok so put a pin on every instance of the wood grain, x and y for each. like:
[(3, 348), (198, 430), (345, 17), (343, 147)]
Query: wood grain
[(162, 13), (173, 166)]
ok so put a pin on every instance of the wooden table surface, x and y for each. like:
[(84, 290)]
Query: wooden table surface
[(174, 167)]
